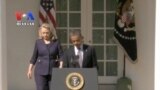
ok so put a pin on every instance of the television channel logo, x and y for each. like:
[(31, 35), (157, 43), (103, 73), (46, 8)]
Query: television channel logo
[(24, 19)]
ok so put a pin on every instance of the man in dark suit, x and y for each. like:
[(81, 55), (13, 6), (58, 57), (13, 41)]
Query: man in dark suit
[(80, 55)]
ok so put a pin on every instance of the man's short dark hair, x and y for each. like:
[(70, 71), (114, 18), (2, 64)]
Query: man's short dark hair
[(75, 33)]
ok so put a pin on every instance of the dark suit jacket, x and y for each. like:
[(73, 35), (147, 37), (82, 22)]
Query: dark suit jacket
[(45, 56), (89, 58)]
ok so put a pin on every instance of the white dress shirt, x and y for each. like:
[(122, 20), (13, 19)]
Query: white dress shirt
[(79, 52)]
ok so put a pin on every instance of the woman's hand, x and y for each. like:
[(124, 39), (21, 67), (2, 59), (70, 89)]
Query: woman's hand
[(29, 73), (61, 64)]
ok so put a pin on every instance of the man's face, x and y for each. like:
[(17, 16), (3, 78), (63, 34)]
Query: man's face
[(76, 40)]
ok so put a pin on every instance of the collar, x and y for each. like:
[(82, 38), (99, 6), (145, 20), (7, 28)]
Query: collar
[(76, 49), (81, 47)]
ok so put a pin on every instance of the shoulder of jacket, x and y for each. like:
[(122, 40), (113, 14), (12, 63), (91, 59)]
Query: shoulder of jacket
[(38, 40)]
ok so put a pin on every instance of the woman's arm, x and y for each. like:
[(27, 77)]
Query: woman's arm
[(32, 61), (60, 54), (34, 55), (60, 50), (29, 73)]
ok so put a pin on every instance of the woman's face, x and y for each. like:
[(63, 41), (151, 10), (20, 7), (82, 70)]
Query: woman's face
[(45, 33)]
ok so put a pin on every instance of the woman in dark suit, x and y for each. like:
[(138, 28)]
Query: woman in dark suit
[(46, 51)]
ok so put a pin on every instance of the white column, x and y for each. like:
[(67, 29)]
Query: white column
[(3, 59), (157, 47)]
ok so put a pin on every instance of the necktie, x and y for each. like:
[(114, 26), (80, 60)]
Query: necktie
[(80, 57)]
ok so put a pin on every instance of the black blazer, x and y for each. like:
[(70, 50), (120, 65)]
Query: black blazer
[(45, 56), (89, 58)]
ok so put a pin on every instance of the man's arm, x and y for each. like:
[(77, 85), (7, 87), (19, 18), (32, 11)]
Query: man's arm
[(94, 58)]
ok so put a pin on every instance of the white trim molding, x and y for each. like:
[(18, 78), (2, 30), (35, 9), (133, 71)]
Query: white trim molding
[(3, 49), (157, 47)]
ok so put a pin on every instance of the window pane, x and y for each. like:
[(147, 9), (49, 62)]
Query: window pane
[(74, 5), (109, 37), (98, 36), (100, 68), (71, 46), (111, 5), (61, 5), (74, 20), (111, 68), (98, 20), (62, 35), (110, 19), (98, 5), (99, 52), (111, 52), (61, 19)]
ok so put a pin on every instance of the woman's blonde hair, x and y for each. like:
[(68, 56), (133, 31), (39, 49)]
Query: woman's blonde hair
[(48, 27)]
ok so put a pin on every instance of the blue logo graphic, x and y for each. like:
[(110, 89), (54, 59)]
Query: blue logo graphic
[(24, 18)]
